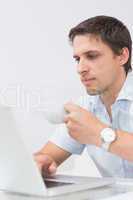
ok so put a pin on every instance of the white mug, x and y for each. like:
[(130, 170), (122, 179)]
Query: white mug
[(55, 114)]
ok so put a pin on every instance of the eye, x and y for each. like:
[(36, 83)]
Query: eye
[(92, 56), (77, 59)]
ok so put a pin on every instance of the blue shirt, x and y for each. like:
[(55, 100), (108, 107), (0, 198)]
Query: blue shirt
[(122, 118)]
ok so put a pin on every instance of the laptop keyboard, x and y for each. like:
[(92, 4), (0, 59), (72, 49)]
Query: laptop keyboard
[(51, 184)]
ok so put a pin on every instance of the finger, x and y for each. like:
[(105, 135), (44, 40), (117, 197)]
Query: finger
[(46, 163), (66, 119), (43, 161), (73, 117), (69, 125), (69, 118), (71, 107), (52, 168)]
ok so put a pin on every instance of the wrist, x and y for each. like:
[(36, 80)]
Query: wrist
[(99, 128), (108, 136)]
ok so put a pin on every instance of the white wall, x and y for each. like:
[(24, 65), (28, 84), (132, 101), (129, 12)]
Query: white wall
[(36, 60)]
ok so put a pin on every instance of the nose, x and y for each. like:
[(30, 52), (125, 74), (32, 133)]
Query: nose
[(82, 66)]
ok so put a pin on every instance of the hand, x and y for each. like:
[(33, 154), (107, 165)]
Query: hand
[(45, 163), (83, 126)]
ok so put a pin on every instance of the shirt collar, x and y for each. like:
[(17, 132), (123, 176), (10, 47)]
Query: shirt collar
[(126, 92)]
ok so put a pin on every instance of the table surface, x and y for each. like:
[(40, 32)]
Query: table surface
[(121, 186)]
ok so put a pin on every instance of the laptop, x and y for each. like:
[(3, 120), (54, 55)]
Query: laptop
[(19, 172)]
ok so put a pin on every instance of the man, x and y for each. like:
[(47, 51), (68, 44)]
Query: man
[(102, 120)]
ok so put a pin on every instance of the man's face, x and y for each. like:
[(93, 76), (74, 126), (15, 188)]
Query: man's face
[(97, 65)]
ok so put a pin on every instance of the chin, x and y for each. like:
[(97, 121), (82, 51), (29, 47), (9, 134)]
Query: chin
[(93, 92)]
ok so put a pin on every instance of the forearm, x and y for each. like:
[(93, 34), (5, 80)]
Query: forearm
[(123, 145), (59, 155)]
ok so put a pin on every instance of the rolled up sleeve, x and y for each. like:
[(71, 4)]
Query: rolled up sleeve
[(62, 139)]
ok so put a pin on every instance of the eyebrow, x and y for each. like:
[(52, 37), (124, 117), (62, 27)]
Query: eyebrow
[(86, 53)]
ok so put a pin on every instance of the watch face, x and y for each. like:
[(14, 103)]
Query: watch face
[(108, 135)]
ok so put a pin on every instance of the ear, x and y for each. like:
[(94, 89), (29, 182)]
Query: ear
[(124, 56)]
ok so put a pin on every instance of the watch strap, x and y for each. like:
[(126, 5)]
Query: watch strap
[(105, 146)]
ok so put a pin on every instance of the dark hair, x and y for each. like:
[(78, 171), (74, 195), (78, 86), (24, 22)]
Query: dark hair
[(111, 31)]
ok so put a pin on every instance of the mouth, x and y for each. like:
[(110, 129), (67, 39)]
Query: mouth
[(87, 82)]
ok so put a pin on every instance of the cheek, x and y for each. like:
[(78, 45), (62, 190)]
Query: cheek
[(104, 76), (105, 68)]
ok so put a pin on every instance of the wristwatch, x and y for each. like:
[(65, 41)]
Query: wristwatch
[(108, 136)]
